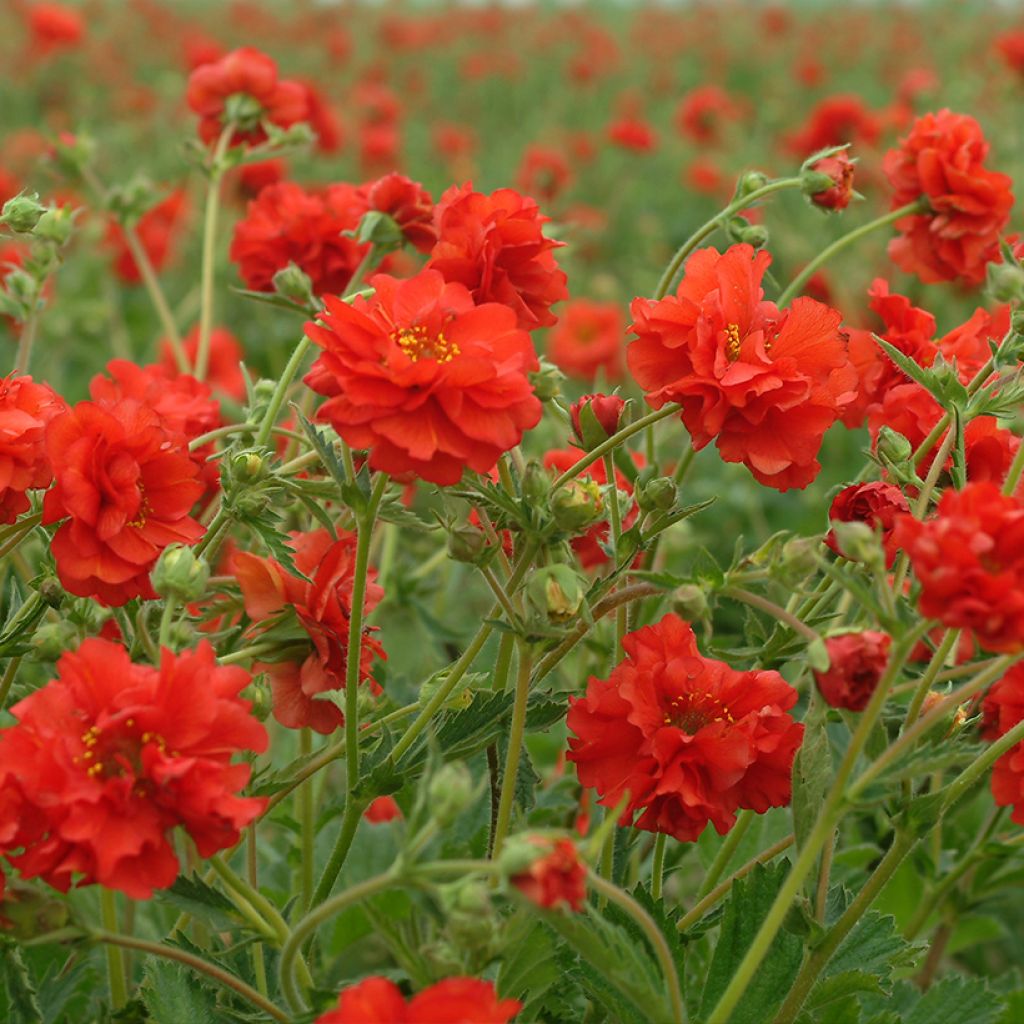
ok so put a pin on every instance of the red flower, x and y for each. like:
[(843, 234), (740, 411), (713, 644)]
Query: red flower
[(452, 1001), (606, 410), (969, 561), (1004, 708), (25, 409), (383, 809), (876, 504), (690, 739), (109, 757), (54, 27), (125, 485), (250, 75), (942, 159), (254, 178), (424, 378), (555, 878), (765, 383), (835, 121), (839, 168), (543, 172), (703, 113), (1010, 46), (408, 203), (224, 372), (587, 338), (157, 230), (285, 224), (323, 604), (857, 661), (633, 132), (323, 119), (495, 246)]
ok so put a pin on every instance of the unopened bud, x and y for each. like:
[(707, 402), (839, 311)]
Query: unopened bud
[(450, 792), (179, 573), (828, 182), (690, 602), (859, 542), (536, 484), (52, 639), (382, 230), (469, 544), (249, 467), (753, 234), (293, 283), (657, 495), (547, 381), (893, 446), (55, 225), (22, 213), (595, 418), (577, 505), (750, 181), (1005, 282), (556, 592)]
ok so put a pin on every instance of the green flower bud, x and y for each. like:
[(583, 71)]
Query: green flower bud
[(52, 639), (556, 592), (293, 283), (249, 467), (1005, 282), (657, 495), (547, 381), (690, 602), (536, 484), (450, 792), (469, 544), (860, 543), (22, 213), (179, 573), (893, 446), (259, 695), (799, 555), (382, 230), (749, 181), (753, 234), (577, 505), (55, 225), (51, 591)]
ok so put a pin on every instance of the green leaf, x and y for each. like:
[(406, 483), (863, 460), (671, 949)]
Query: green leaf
[(747, 907), (873, 945), (956, 1000), (194, 896), (812, 771), (22, 999), (323, 448), (530, 968), (840, 987), (174, 995)]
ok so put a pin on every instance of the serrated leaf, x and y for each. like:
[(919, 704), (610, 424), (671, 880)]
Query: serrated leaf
[(747, 907), (956, 1000), (191, 894), (23, 1003), (174, 995), (873, 945), (323, 448), (812, 771)]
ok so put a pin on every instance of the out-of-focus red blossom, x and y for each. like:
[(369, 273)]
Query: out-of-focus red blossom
[(764, 383), (184, 404), (969, 560), (323, 604), (246, 72), (495, 246), (856, 663), (1010, 46), (54, 27), (630, 130), (25, 409), (968, 344), (378, 1000), (835, 121), (157, 231), (323, 119), (606, 409), (876, 504), (840, 169), (453, 141), (543, 172), (589, 337), (704, 112), (588, 546), (424, 377), (907, 328), (108, 758), (556, 877), (9, 185), (943, 160), (1004, 708), (381, 810), (285, 224), (124, 485), (689, 738), (224, 371), (198, 48), (407, 203), (254, 178), (703, 175)]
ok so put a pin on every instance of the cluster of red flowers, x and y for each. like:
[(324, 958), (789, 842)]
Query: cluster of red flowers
[(690, 739), (457, 1000), (764, 383), (1004, 708), (108, 758), (323, 604), (875, 504), (555, 878), (25, 409)]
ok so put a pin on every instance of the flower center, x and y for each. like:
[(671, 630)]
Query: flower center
[(417, 344), (142, 512), (692, 711), (118, 754), (732, 341)]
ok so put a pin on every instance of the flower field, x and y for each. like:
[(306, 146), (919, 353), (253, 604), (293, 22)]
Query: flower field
[(511, 513)]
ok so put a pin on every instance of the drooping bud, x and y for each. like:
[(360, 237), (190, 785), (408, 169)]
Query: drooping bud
[(828, 182), (179, 573), (690, 602), (536, 484), (547, 381), (749, 181), (292, 283), (595, 418), (469, 544), (893, 446), (556, 592), (577, 505)]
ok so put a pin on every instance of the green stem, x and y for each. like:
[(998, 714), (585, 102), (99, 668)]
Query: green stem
[(613, 894), (917, 206), (965, 781), (166, 622), (349, 825), (827, 820), (514, 752), (615, 517), (7, 680), (937, 662), (902, 844), (277, 398), (743, 822), (116, 974), (157, 297), (27, 340), (307, 820), (773, 609), (197, 963), (216, 171), (1014, 474), (708, 228), (658, 866)]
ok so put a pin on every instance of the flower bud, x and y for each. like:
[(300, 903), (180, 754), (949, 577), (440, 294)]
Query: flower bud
[(547, 381), (556, 592), (577, 505), (51, 591), (536, 484), (828, 182), (1017, 320), (450, 792), (27, 912), (261, 698), (382, 230), (51, 639), (55, 225), (858, 542), (893, 446), (22, 213), (1005, 282), (469, 544), (469, 913), (293, 283), (657, 495), (179, 573), (249, 467), (690, 602), (799, 555), (595, 418), (750, 181), (750, 234)]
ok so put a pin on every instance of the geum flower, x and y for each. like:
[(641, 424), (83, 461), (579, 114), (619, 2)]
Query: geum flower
[(690, 739), (763, 383), (104, 761), (423, 378), (322, 604)]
